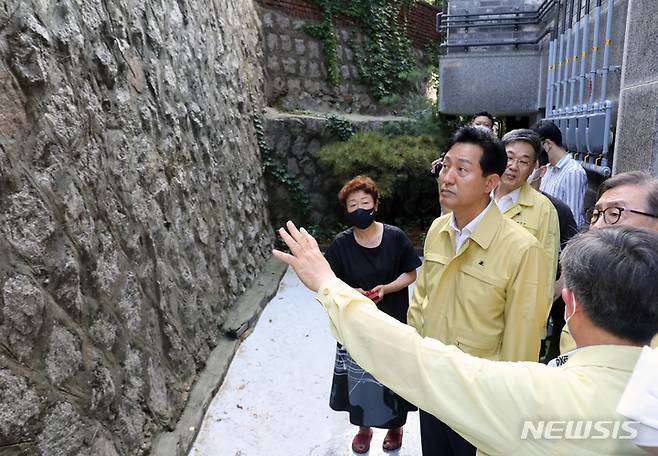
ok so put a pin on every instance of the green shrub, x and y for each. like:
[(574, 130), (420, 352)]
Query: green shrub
[(400, 166)]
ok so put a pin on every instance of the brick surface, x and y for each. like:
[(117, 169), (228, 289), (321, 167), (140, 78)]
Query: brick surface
[(421, 18)]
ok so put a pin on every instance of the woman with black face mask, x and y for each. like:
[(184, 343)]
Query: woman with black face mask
[(379, 261)]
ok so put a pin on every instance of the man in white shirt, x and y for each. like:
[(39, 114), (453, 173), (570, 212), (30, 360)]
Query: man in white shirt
[(565, 179)]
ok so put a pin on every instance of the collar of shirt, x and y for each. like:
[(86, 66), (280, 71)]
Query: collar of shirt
[(620, 357), (563, 161), (465, 233), (508, 200)]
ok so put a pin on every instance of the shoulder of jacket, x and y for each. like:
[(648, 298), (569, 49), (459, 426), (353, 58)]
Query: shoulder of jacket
[(439, 223), (513, 233), (545, 203)]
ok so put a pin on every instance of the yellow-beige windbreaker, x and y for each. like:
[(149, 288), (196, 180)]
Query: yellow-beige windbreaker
[(536, 213), (490, 298)]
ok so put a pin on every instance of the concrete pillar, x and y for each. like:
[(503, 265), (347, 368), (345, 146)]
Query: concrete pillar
[(636, 145)]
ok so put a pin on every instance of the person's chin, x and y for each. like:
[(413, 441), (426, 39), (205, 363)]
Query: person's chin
[(447, 200), (509, 183)]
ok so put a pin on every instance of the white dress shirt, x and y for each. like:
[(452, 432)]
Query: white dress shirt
[(506, 201), (465, 233)]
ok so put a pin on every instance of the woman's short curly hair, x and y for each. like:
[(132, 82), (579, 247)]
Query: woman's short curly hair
[(360, 182)]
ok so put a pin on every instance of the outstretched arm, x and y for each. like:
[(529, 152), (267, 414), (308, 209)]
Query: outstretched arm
[(486, 402)]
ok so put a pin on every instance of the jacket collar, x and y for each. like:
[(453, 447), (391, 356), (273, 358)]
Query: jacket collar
[(527, 198), (485, 230), (619, 357)]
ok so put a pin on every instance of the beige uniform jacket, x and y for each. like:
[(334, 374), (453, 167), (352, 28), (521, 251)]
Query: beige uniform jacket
[(567, 343), (490, 298), (488, 402), (536, 213)]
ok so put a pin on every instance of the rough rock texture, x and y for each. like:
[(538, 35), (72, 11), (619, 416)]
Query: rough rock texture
[(132, 211)]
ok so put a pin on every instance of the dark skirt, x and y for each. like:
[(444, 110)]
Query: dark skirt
[(369, 402)]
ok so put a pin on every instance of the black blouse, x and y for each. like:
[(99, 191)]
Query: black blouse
[(363, 267)]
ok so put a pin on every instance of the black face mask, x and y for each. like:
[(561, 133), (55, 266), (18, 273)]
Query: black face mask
[(361, 218)]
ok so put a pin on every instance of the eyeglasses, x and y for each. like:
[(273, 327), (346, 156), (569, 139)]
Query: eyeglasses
[(520, 162), (611, 215)]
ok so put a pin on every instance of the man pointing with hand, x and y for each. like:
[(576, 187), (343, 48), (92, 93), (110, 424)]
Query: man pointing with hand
[(489, 403)]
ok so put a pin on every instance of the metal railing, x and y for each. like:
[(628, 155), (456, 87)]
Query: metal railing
[(514, 20), (585, 125)]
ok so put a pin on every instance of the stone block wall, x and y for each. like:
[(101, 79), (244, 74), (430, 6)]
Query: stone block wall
[(297, 140), (295, 65), (297, 73), (132, 212)]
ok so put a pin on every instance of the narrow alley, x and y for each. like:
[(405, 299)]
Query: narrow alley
[(274, 400)]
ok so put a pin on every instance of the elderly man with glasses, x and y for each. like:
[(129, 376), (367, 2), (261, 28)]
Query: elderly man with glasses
[(519, 201), (625, 199), (629, 199)]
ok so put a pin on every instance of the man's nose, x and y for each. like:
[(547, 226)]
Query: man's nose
[(447, 177), (600, 223)]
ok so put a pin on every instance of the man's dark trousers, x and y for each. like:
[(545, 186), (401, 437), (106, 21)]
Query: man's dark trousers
[(438, 439)]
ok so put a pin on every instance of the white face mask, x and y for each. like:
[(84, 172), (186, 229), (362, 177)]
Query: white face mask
[(535, 176), (567, 318)]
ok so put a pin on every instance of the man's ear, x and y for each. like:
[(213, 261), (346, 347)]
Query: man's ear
[(492, 181), (569, 300)]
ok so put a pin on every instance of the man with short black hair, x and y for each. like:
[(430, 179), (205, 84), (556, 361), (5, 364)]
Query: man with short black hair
[(565, 179), (505, 408), (483, 119), (472, 291)]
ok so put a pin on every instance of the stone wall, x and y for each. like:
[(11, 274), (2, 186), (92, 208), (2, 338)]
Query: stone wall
[(132, 212), (295, 64), (297, 140)]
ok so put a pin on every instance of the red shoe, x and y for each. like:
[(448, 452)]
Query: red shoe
[(361, 443), (392, 441)]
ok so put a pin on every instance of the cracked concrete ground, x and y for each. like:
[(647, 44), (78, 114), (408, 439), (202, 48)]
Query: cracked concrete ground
[(274, 400)]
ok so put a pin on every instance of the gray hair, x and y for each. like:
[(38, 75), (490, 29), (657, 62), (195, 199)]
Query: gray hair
[(524, 134), (637, 178), (612, 272)]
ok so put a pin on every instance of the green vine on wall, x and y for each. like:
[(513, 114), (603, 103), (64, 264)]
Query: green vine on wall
[(278, 172), (324, 31), (385, 57), (343, 127)]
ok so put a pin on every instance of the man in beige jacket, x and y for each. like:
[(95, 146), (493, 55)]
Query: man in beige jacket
[(484, 284), (521, 408)]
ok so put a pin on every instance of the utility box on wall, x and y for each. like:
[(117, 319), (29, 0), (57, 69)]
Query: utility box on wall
[(503, 83)]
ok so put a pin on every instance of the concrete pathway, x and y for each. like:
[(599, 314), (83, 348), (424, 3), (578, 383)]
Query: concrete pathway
[(274, 400)]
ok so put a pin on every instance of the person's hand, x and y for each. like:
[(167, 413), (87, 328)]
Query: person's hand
[(379, 289), (306, 259), (361, 290)]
